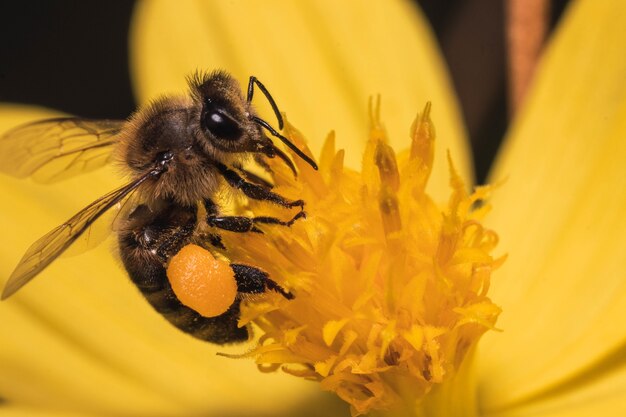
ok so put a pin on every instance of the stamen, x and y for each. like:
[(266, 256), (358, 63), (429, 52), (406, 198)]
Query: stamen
[(390, 286)]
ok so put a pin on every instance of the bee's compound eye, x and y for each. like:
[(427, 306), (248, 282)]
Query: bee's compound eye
[(202, 282), (221, 125)]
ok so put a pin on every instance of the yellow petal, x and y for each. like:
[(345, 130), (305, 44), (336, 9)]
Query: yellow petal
[(14, 410), (560, 214), (321, 61), (80, 337), (605, 397)]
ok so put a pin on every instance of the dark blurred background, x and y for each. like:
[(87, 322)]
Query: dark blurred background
[(73, 56)]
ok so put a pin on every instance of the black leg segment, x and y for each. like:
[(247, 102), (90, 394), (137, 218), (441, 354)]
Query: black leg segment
[(252, 280), (254, 191), (241, 224)]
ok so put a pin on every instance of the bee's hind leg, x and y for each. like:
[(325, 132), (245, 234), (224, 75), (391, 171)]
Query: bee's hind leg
[(252, 280)]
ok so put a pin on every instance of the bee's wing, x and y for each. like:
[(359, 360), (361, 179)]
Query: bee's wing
[(49, 247), (53, 149)]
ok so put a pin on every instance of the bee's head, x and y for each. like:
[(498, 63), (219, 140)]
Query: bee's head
[(224, 115), (228, 121)]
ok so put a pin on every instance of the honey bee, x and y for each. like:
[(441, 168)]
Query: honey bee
[(178, 151)]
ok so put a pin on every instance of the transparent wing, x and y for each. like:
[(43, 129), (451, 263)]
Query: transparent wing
[(53, 149), (49, 247)]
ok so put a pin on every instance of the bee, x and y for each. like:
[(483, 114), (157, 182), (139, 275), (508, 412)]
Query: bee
[(178, 151)]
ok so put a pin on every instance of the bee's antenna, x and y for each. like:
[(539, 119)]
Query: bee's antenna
[(253, 80), (286, 141)]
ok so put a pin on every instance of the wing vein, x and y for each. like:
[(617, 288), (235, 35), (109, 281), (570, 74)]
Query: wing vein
[(45, 250)]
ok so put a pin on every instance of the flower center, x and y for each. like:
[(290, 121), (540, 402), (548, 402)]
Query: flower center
[(390, 287)]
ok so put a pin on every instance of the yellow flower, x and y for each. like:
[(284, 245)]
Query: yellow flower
[(80, 339), (391, 289)]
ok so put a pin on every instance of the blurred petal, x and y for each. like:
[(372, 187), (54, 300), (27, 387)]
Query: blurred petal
[(605, 397), (81, 337), (321, 61), (560, 215), (14, 410)]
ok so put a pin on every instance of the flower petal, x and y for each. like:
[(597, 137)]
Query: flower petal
[(81, 337), (605, 397), (560, 214), (321, 61), (14, 410)]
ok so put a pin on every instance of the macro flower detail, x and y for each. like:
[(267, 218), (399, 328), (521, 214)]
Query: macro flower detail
[(390, 287), (558, 217)]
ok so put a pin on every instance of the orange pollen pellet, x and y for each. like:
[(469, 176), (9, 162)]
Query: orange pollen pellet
[(202, 282)]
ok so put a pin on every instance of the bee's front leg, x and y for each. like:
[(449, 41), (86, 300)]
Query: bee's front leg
[(255, 191)]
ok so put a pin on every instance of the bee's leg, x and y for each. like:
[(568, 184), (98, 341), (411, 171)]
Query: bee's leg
[(243, 224), (252, 177), (262, 163), (252, 280), (215, 240), (255, 191)]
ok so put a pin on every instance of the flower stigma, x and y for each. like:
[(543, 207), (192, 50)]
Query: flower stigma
[(390, 287)]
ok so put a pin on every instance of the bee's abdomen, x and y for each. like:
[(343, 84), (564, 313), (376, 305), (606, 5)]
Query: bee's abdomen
[(146, 269)]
